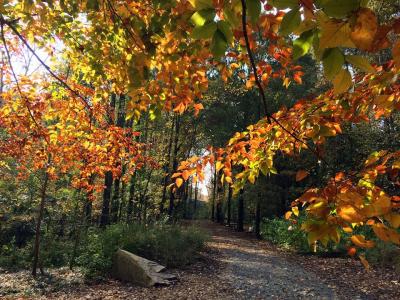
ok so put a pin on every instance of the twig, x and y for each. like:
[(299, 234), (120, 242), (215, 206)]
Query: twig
[(63, 83), (16, 79)]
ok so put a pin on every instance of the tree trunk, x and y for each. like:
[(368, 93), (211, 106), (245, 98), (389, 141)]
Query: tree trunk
[(115, 201), (196, 190), (105, 210), (229, 205), (214, 194), (131, 198), (258, 218), (36, 248), (174, 165), (166, 168), (240, 218)]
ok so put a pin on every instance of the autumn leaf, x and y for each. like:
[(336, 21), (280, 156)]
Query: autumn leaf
[(342, 81), (360, 241), (334, 34), (301, 174), (179, 182), (365, 29)]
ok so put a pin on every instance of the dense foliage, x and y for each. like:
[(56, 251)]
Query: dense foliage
[(122, 112)]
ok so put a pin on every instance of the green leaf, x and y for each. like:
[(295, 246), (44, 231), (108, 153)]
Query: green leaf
[(204, 32), (333, 60), (218, 44), (290, 22), (342, 81), (360, 62), (282, 4), (201, 4), (199, 18), (231, 17), (254, 10), (338, 8), (226, 29), (302, 45)]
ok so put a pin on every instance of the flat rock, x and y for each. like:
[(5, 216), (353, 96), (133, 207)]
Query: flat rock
[(138, 270)]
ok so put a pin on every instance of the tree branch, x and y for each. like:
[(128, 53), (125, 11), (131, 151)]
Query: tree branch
[(62, 82)]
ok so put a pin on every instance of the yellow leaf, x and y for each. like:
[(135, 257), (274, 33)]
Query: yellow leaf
[(301, 174), (393, 219), (179, 182), (218, 165), (295, 210), (342, 81), (335, 34), (360, 241), (349, 214)]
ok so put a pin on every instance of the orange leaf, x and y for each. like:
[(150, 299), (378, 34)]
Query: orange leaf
[(288, 214), (349, 214), (364, 30), (185, 175), (301, 174), (360, 241)]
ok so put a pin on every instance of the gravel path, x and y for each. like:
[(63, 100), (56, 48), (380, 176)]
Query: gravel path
[(259, 273), (236, 266)]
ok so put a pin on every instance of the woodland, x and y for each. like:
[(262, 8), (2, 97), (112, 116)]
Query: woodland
[(200, 134)]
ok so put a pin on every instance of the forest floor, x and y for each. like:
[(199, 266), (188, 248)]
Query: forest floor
[(235, 266)]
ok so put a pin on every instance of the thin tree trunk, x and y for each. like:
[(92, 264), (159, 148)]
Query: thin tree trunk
[(105, 210), (174, 165), (115, 201), (36, 249), (131, 199), (214, 194), (258, 218), (196, 190), (229, 205), (166, 168), (240, 218)]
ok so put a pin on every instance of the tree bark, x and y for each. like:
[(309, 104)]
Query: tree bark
[(167, 167), (229, 204), (105, 210), (214, 194), (257, 222), (36, 248), (240, 219), (174, 165)]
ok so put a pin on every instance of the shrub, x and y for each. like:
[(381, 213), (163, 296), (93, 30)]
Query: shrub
[(169, 245), (284, 234)]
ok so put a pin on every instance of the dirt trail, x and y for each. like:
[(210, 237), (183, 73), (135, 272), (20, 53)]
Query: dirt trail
[(256, 272), (236, 266)]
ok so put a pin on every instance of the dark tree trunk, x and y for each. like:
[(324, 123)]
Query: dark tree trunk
[(115, 201), (105, 209), (214, 195), (196, 190), (229, 204), (36, 248), (240, 218), (167, 167), (131, 198), (258, 218), (174, 165)]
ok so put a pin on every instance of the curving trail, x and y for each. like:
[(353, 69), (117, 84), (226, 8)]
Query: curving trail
[(256, 272)]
